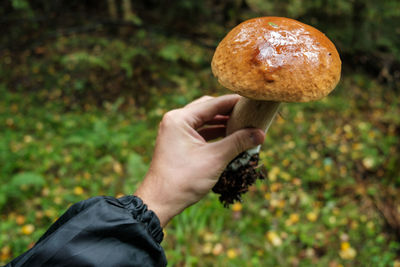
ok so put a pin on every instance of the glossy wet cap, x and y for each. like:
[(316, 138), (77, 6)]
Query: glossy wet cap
[(277, 59)]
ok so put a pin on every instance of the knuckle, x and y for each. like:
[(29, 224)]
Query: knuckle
[(170, 118), (206, 97)]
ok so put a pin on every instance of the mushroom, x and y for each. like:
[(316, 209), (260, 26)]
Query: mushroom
[(267, 61)]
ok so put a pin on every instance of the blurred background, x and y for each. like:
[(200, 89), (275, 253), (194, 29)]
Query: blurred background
[(84, 84)]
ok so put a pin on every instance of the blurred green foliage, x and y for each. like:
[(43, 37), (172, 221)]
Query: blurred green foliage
[(83, 90)]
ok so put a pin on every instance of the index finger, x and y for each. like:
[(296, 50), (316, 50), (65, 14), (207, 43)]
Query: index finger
[(200, 100), (205, 111)]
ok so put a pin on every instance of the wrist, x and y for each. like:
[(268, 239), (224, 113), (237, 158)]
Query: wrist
[(154, 202)]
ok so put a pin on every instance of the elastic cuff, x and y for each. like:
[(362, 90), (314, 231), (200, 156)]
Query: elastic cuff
[(140, 212)]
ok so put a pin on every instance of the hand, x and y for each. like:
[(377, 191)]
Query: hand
[(185, 166)]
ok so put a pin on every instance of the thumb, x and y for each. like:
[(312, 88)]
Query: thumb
[(238, 142)]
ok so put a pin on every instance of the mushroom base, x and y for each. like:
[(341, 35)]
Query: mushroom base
[(235, 182)]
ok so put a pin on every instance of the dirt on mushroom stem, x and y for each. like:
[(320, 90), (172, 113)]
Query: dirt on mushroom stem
[(233, 183)]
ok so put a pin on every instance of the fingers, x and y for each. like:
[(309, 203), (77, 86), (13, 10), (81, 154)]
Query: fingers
[(212, 132), (238, 142), (218, 120), (200, 100), (203, 111), (214, 128)]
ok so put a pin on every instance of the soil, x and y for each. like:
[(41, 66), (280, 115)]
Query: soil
[(233, 183)]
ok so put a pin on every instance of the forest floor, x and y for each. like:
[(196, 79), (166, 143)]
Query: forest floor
[(330, 197)]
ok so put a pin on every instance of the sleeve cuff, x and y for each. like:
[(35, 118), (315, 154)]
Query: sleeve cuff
[(140, 213)]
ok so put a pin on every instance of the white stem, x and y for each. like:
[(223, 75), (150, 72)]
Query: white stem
[(249, 113)]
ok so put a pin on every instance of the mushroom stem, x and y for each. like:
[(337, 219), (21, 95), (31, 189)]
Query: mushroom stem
[(249, 113)]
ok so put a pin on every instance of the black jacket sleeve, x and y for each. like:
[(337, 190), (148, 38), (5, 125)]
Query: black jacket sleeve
[(101, 231)]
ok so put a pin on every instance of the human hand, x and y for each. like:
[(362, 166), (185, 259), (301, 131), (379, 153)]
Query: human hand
[(185, 166)]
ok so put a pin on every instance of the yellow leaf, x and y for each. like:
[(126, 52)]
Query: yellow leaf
[(86, 175), (273, 173), (368, 163), (39, 214), (207, 248), (20, 219), (347, 128), (274, 238), (312, 216), (28, 139), (57, 200), (348, 254), (218, 249), (5, 253), (285, 162), (119, 195), (27, 229), (344, 246), (354, 225), (117, 167), (336, 211), (275, 187), (9, 122), (210, 237), (291, 145), (237, 207), (285, 176), (294, 217), (314, 155), (78, 190), (67, 159), (356, 146), (231, 253), (278, 213), (39, 126), (50, 213), (296, 181), (363, 218)]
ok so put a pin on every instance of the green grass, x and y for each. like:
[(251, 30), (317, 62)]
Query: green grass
[(330, 163), (326, 162)]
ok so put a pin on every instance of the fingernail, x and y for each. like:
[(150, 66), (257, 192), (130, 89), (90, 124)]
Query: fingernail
[(257, 137)]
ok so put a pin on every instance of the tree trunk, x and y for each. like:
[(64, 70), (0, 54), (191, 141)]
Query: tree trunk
[(112, 9), (127, 10)]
